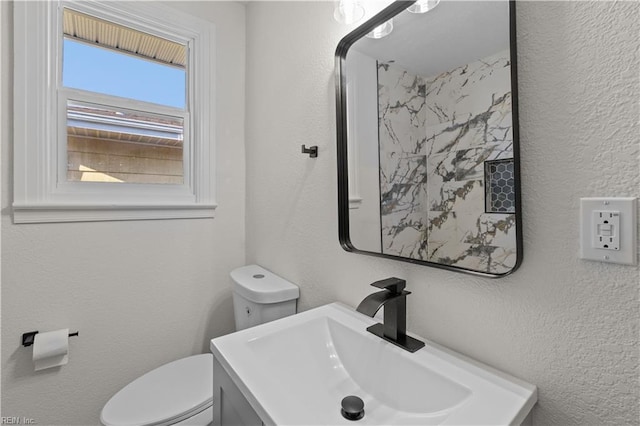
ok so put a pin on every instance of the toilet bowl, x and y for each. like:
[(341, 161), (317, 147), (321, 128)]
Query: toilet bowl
[(181, 392)]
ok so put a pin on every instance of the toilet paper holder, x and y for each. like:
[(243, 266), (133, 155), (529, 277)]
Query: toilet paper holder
[(29, 338)]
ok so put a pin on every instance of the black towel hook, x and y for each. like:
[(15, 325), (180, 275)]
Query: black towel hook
[(312, 151)]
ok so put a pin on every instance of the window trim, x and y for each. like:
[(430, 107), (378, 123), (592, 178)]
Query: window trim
[(40, 136)]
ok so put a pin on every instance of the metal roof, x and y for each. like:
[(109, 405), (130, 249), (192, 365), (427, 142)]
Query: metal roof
[(89, 29)]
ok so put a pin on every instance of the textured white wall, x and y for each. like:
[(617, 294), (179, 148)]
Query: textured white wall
[(567, 325), (3, 105), (141, 293)]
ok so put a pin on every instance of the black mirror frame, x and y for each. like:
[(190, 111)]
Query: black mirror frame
[(342, 140)]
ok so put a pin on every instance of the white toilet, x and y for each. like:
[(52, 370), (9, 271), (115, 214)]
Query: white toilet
[(181, 392)]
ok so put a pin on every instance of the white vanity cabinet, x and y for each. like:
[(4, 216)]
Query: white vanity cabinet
[(230, 407)]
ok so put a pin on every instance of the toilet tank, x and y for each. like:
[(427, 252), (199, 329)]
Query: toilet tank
[(261, 296)]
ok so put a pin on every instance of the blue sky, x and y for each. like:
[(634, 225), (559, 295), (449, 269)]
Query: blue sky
[(105, 71)]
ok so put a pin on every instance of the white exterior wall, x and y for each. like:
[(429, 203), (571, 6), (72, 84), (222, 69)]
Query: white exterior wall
[(567, 325)]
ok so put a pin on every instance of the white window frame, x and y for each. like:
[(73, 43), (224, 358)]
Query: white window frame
[(41, 191)]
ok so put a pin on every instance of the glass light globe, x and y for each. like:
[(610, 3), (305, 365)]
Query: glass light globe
[(348, 11), (423, 6), (381, 30)]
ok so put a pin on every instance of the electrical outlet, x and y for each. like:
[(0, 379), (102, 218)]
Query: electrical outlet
[(606, 227), (608, 230)]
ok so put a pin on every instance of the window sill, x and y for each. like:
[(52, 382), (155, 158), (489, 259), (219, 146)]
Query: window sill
[(52, 213)]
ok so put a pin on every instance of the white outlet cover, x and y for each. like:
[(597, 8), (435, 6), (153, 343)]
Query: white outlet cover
[(627, 229)]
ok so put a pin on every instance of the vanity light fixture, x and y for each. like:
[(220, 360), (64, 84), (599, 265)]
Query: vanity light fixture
[(348, 11), (423, 6), (381, 30)]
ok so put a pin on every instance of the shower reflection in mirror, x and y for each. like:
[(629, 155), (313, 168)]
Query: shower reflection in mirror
[(430, 128)]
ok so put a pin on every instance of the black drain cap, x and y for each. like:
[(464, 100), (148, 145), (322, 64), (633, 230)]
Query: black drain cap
[(352, 408)]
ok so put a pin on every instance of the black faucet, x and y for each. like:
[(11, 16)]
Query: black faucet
[(394, 300)]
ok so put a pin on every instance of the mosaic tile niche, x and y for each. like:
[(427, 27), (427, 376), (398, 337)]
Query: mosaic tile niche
[(435, 135)]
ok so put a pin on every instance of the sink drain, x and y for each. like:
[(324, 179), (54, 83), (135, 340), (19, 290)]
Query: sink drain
[(352, 408)]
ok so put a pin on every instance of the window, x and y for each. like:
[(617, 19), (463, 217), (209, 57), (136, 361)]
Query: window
[(112, 113)]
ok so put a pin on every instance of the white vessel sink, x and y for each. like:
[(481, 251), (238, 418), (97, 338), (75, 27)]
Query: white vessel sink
[(297, 370)]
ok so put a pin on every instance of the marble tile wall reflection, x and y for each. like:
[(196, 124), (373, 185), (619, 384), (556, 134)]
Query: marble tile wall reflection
[(403, 168), (435, 135)]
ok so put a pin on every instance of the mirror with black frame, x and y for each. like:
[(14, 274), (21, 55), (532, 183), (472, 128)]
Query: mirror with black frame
[(428, 158)]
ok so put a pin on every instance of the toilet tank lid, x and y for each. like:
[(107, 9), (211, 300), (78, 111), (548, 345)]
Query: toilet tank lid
[(259, 285)]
